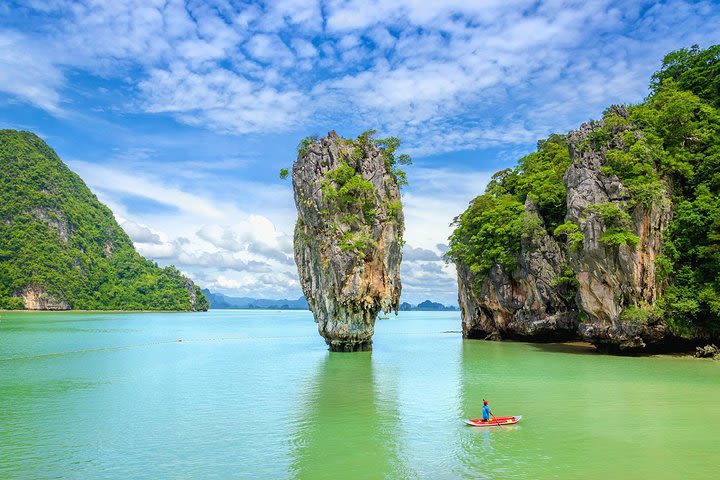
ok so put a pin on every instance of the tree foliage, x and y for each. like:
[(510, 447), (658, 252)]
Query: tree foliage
[(55, 234), (695, 70), (489, 232)]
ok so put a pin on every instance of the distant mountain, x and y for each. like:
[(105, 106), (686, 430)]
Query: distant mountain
[(428, 306), (220, 301)]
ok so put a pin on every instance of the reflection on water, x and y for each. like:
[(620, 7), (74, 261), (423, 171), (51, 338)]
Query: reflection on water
[(347, 426)]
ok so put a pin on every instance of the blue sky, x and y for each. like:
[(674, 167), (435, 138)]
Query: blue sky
[(180, 114)]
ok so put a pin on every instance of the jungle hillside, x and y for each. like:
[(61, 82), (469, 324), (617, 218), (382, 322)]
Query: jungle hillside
[(60, 248)]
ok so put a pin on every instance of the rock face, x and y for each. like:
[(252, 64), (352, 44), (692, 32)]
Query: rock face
[(708, 351), (524, 303), (348, 238), (610, 278), (36, 298), (609, 281)]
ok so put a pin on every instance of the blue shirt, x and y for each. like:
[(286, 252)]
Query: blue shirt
[(486, 412)]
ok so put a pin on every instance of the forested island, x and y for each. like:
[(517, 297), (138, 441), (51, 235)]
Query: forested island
[(427, 306), (610, 233), (61, 249)]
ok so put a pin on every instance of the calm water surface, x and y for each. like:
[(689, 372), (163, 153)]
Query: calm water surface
[(255, 394)]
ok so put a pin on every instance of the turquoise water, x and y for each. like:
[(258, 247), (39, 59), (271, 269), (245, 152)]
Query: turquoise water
[(255, 394)]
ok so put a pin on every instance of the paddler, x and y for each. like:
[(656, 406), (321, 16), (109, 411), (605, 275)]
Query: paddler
[(486, 412)]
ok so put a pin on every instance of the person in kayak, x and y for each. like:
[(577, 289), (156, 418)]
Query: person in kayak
[(486, 412)]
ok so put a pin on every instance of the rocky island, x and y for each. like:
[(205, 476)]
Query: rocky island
[(61, 249), (349, 233), (609, 233)]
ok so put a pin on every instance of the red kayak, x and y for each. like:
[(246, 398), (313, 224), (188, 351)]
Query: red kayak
[(479, 422)]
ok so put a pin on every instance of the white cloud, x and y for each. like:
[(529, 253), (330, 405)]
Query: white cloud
[(140, 233), (161, 251), (124, 183), (446, 67), (429, 281), (304, 48), (28, 74), (268, 48), (412, 254), (256, 236), (219, 98), (246, 250)]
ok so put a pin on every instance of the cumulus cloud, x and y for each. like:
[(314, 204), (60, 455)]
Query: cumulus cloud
[(429, 281), (411, 254), (140, 233), (219, 98), (244, 249), (269, 285), (160, 251)]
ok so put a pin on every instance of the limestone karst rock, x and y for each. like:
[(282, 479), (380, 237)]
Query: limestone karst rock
[(613, 278), (604, 283), (523, 303), (348, 236)]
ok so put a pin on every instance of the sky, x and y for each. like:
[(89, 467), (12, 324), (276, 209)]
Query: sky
[(180, 114)]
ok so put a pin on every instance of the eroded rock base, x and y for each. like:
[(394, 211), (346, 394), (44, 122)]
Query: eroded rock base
[(349, 346)]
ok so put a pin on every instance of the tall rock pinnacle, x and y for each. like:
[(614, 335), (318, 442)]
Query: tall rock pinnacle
[(348, 236)]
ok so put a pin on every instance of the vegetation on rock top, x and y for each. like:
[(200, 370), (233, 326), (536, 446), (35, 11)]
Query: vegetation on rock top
[(352, 199), (488, 233)]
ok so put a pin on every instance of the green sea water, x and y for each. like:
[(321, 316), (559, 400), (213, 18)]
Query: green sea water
[(255, 394)]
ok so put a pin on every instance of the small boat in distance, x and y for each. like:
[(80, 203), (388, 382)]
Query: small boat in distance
[(495, 421)]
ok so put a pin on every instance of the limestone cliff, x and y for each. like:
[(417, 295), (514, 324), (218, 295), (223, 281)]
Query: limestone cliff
[(613, 278), (348, 236), (37, 298), (524, 303), (602, 286)]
